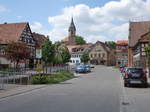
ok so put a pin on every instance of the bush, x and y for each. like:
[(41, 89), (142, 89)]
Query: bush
[(39, 79), (52, 78), (9, 69)]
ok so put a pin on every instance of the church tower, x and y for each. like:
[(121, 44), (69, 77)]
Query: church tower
[(72, 33)]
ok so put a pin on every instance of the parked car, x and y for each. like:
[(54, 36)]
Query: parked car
[(88, 68), (81, 69), (135, 76)]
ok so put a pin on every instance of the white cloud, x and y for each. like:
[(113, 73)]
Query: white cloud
[(109, 22), (3, 9), (19, 17), (36, 26)]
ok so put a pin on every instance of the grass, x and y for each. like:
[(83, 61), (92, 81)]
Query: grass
[(9, 70), (52, 78)]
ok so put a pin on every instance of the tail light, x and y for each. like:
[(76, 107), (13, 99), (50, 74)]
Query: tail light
[(145, 75), (126, 75)]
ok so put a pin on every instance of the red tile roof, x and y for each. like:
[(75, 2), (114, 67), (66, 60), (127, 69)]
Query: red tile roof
[(66, 39), (39, 39), (137, 29), (70, 47), (11, 32), (122, 42)]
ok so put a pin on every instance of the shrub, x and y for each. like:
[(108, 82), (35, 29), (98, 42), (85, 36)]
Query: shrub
[(52, 78), (39, 79)]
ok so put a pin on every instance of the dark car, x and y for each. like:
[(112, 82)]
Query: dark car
[(81, 69), (135, 76)]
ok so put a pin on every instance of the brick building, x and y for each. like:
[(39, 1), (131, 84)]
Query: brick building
[(121, 53), (137, 42), (101, 54)]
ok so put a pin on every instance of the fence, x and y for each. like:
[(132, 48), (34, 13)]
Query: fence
[(23, 76), (13, 79)]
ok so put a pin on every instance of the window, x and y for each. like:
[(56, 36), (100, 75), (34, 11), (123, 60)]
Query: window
[(91, 55), (77, 61), (103, 54), (95, 55), (99, 55)]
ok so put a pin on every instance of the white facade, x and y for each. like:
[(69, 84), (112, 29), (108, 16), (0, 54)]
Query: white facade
[(75, 59), (38, 53)]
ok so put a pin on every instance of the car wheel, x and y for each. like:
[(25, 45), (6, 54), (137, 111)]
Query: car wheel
[(125, 84), (145, 85)]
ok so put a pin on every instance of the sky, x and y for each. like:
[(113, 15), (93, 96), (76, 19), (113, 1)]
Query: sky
[(95, 20)]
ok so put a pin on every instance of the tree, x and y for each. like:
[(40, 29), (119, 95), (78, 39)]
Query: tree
[(85, 58), (47, 52), (65, 55), (111, 44), (17, 51), (80, 40), (147, 49), (62, 54)]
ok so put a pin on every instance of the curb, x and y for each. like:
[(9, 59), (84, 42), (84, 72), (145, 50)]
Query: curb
[(21, 92)]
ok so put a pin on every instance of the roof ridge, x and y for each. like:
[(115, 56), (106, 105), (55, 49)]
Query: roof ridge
[(15, 23)]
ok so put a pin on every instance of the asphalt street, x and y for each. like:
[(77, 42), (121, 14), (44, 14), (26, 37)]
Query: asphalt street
[(136, 99), (98, 91)]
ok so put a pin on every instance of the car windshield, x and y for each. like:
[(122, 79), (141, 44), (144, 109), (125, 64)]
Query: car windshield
[(135, 70), (81, 66)]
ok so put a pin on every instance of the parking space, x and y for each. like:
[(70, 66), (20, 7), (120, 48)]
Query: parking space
[(135, 98)]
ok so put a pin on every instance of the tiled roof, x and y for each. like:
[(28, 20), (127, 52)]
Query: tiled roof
[(121, 51), (39, 39), (11, 32), (66, 39), (85, 46), (122, 42), (137, 29), (145, 37), (106, 48)]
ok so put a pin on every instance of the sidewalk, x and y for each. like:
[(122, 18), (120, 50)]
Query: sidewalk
[(19, 90)]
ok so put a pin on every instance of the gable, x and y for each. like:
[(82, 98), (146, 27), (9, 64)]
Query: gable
[(136, 30), (11, 32), (98, 48), (26, 35)]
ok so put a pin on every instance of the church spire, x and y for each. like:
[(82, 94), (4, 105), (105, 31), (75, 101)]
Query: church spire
[(72, 27)]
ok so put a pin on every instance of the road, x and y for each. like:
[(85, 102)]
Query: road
[(137, 99), (98, 91)]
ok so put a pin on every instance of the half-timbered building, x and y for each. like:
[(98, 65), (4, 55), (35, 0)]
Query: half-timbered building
[(139, 53), (15, 32)]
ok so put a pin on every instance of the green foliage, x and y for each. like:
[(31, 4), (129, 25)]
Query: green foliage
[(52, 78), (9, 69), (147, 49), (47, 51), (57, 54), (62, 54), (65, 55), (111, 44), (85, 58), (80, 40)]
